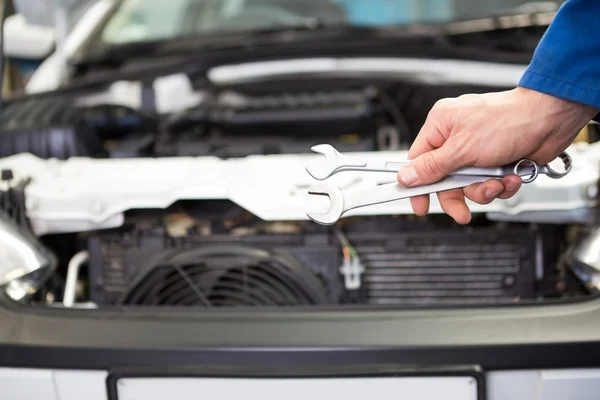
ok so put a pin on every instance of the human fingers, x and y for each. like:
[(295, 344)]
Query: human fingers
[(512, 184), (428, 139), (430, 167), (435, 130), (432, 158), (546, 153), (453, 203), (420, 204), (485, 192), (482, 193)]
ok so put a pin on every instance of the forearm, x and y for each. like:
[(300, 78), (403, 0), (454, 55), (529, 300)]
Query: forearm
[(566, 63)]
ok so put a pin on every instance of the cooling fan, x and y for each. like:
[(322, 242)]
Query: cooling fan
[(225, 276)]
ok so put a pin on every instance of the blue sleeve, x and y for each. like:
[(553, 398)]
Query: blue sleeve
[(566, 63)]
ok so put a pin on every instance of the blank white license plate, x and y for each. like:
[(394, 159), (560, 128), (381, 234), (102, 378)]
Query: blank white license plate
[(397, 388)]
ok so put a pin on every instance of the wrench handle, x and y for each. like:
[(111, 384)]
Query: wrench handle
[(394, 166), (394, 191)]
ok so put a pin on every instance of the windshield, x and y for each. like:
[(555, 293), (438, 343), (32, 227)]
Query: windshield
[(150, 20)]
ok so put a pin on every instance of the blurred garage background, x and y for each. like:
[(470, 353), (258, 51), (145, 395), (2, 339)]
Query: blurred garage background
[(36, 28)]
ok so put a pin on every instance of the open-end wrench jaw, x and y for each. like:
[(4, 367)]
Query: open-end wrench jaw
[(333, 162), (336, 204)]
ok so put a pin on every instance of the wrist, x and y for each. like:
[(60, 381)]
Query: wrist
[(549, 105)]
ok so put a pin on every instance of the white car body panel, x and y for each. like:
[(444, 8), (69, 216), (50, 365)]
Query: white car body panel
[(82, 194), (47, 75), (48, 384)]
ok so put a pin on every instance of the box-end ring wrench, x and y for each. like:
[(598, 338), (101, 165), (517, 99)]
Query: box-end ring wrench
[(336, 162), (342, 201)]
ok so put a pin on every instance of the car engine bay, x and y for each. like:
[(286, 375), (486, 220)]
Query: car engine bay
[(204, 206)]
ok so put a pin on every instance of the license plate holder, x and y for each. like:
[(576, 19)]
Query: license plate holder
[(451, 384)]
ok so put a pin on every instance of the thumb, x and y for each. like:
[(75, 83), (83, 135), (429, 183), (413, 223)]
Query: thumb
[(429, 167)]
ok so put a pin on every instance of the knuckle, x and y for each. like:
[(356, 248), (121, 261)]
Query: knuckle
[(467, 96), (462, 146), (430, 165), (443, 112), (472, 98), (472, 101), (465, 146), (443, 104)]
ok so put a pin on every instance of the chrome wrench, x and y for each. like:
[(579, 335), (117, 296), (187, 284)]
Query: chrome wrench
[(342, 201), (336, 162)]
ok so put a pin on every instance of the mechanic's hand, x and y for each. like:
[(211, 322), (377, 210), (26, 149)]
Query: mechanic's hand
[(489, 130)]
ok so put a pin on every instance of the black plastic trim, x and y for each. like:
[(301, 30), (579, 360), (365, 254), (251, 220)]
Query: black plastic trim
[(547, 356), (527, 337), (347, 371)]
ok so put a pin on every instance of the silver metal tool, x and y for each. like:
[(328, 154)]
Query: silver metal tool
[(342, 201), (336, 162)]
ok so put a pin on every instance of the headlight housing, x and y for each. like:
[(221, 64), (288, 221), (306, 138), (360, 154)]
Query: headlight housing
[(24, 263)]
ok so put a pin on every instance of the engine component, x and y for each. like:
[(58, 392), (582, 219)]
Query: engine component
[(349, 108), (54, 127), (58, 132), (399, 263), (584, 258), (448, 267), (228, 146), (75, 264), (352, 267), (83, 194), (12, 198), (221, 276), (235, 123), (150, 267), (59, 142)]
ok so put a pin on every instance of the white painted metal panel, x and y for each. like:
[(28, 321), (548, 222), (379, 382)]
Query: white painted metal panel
[(26, 384), (80, 385)]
